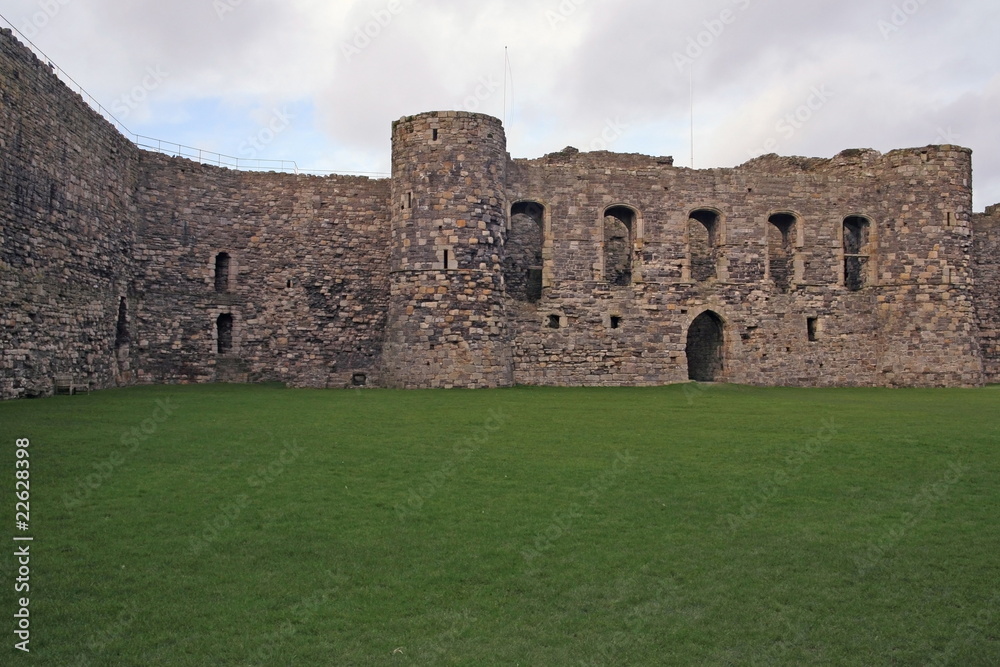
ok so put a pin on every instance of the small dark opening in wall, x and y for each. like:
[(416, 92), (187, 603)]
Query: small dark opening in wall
[(359, 380), (121, 329), (553, 322), (533, 291), (288, 284), (434, 135), (812, 324), (446, 261), (489, 136), (224, 325), (616, 322), (222, 272)]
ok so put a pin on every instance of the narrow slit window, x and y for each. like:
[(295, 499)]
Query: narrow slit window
[(222, 264), (812, 325), (554, 322), (857, 251), (434, 135), (616, 322), (121, 329), (445, 263), (224, 326)]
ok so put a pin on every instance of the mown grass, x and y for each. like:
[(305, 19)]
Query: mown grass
[(711, 525)]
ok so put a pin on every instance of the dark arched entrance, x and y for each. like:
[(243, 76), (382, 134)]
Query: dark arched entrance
[(704, 348)]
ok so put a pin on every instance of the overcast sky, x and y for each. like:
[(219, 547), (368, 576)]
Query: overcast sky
[(319, 81)]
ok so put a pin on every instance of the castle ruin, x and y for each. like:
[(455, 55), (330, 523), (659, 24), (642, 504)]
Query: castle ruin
[(468, 268)]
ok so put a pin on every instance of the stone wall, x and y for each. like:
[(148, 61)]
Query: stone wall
[(911, 324), (469, 269), (67, 232), (306, 282), (987, 271)]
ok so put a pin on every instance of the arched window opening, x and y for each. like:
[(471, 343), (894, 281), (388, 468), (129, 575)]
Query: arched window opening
[(122, 336), (619, 235), (224, 327), (222, 264), (857, 251), (781, 233), (703, 238), (523, 261), (705, 348)]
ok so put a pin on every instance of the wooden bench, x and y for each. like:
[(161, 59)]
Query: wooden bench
[(66, 384)]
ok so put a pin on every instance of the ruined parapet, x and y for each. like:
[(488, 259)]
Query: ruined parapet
[(447, 326)]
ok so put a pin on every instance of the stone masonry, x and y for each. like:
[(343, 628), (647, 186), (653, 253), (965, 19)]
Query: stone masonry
[(468, 268)]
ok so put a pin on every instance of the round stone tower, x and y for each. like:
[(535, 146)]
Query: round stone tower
[(446, 322)]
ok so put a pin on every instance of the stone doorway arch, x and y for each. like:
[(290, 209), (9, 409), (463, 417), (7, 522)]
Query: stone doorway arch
[(705, 348)]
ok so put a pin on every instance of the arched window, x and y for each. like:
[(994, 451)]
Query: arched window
[(619, 235), (781, 232), (523, 261), (705, 348), (224, 328), (704, 233), (222, 264), (857, 251)]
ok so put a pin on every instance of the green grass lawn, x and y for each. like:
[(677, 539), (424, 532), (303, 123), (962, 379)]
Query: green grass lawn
[(684, 525)]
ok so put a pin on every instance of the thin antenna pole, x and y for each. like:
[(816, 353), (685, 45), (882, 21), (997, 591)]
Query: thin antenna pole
[(510, 72), (506, 60), (692, 114)]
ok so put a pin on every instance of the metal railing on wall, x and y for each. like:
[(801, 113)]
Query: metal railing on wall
[(173, 148)]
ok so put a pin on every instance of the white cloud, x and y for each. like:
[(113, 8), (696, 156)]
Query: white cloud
[(576, 66)]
